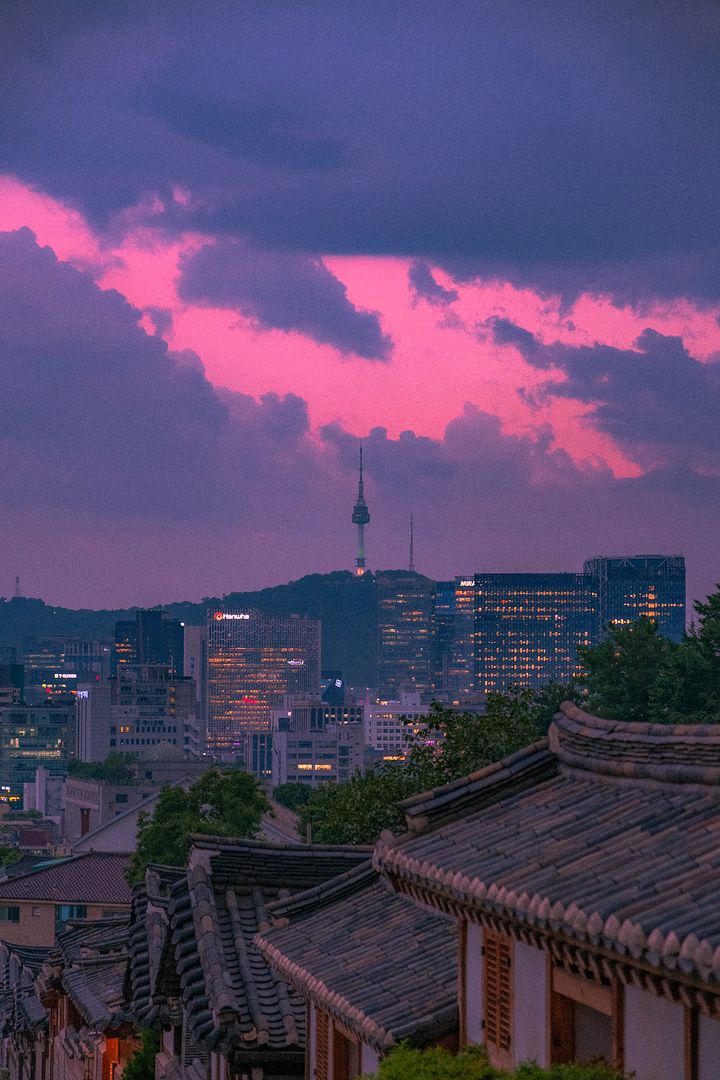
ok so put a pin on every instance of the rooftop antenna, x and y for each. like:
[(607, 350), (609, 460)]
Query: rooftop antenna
[(411, 566), (17, 586)]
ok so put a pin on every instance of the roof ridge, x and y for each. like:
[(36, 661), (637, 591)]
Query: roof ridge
[(318, 896), (665, 753)]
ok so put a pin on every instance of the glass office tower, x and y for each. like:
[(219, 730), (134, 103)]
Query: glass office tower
[(528, 627), (253, 661), (637, 586), (406, 645)]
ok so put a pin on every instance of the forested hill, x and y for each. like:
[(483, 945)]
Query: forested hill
[(346, 605)]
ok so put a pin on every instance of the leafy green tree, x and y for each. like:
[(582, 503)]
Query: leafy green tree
[(9, 855), (141, 1063), (708, 614), (405, 1063), (117, 768), (355, 812), (219, 804), (547, 700), (292, 795), (687, 689), (623, 669)]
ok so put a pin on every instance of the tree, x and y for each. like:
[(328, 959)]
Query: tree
[(355, 812), (623, 669), (406, 1063), (117, 768), (292, 795), (141, 1063), (219, 803)]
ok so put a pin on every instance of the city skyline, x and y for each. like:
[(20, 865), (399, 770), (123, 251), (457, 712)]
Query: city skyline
[(235, 244)]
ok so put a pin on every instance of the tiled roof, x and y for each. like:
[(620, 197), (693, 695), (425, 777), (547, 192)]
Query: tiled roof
[(89, 963), (93, 878), (232, 998), (607, 833), (20, 1008), (384, 968), (148, 931)]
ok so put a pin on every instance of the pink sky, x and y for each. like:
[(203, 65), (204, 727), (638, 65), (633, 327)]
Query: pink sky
[(440, 362)]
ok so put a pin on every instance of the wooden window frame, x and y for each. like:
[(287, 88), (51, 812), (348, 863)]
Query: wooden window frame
[(498, 1030), (323, 1033), (565, 989)]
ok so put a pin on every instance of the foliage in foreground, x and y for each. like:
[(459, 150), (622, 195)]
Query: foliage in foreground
[(405, 1063), (141, 1064), (218, 804), (355, 812)]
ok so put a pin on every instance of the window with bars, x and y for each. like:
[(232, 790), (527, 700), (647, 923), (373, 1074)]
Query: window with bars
[(322, 1045), (497, 978)]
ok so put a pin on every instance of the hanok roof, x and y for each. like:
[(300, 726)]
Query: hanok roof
[(385, 969), (606, 833), (232, 998), (92, 878), (20, 1008), (89, 963), (149, 926)]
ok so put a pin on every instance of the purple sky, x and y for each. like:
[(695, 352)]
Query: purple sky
[(238, 237)]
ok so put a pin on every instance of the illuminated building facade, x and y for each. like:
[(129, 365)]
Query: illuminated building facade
[(254, 660), (650, 586), (528, 627), (30, 737), (406, 644)]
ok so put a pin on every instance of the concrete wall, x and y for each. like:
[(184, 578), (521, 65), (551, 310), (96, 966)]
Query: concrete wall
[(709, 1047), (530, 991), (474, 984), (654, 1037)]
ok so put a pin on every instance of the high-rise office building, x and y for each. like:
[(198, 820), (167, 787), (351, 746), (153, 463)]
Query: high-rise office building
[(196, 668), (649, 586), (32, 736), (142, 706), (254, 660), (454, 619), (406, 646), (151, 638), (528, 627), (54, 666)]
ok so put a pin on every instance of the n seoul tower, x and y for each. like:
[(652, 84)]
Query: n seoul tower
[(361, 517)]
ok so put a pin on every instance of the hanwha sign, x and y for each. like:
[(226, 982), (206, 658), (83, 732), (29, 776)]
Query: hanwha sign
[(221, 616)]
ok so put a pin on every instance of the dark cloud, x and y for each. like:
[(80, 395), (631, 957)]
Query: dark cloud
[(657, 402), (567, 147), (425, 287), (282, 291), (128, 478)]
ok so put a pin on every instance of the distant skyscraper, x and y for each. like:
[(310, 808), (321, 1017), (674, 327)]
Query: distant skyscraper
[(152, 638), (361, 517), (254, 660), (629, 588), (405, 633), (527, 627)]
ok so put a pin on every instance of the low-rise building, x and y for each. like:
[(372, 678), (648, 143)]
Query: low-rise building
[(36, 906), (583, 874)]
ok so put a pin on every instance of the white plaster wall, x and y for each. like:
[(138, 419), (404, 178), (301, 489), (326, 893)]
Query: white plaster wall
[(654, 1037), (369, 1060), (474, 983), (709, 1048), (530, 991)]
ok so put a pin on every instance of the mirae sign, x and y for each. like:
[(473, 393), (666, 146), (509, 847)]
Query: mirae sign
[(222, 616)]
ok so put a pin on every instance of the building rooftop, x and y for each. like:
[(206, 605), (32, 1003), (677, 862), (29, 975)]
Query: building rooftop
[(232, 997), (92, 878), (607, 834), (384, 968)]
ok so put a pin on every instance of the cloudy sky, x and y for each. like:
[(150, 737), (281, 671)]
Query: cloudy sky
[(238, 237)]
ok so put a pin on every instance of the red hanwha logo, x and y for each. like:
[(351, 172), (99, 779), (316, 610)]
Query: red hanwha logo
[(218, 616)]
